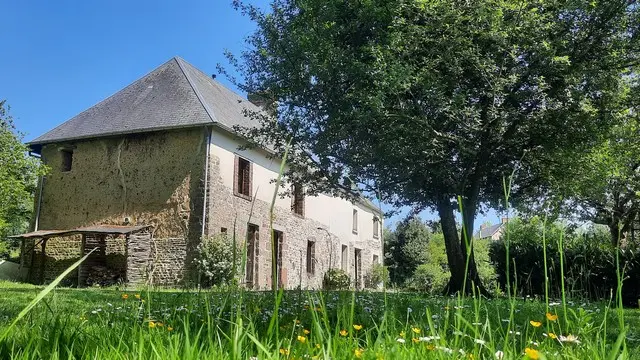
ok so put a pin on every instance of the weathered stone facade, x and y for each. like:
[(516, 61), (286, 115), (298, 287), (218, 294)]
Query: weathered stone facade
[(152, 179), (226, 209)]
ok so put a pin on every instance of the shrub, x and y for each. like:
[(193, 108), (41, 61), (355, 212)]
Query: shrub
[(336, 279), (589, 262), (378, 275), (215, 261)]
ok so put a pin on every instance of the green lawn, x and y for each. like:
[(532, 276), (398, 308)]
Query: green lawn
[(100, 323)]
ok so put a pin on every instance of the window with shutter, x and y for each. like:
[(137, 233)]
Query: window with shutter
[(297, 201), (376, 227), (311, 257), (243, 178)]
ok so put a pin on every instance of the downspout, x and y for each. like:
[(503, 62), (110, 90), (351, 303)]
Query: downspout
[(206, 182)]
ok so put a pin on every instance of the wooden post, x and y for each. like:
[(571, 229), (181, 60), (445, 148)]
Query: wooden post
[(43, 259)]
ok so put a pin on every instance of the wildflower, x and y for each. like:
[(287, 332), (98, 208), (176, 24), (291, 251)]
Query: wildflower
[(343, 332), (415, 340), (358, 353), (535, 323), (83, 318), (159, 324), (297, 321), (499, 355), (152, 325), (357, 327), (125, 296), (169, 328), (553, 336), (302, 339), (318, 346), (431, 347), (415, 330), (306, 332), (552, 317), (137, 296), (480, 341), (532, 353), (284, 351), (429, 338), (569, 339), (400, 340), (402, 334)]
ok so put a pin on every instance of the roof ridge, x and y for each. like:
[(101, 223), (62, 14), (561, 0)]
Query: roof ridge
[(181, 63)]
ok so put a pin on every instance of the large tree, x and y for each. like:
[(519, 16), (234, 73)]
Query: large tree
[(18, 174), (427, 102), (606, 188)]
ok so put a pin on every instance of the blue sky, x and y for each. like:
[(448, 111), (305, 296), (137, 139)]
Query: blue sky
[(59, 58)]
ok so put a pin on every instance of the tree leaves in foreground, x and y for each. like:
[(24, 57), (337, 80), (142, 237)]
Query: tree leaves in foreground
[(423, 101), (18, 179)]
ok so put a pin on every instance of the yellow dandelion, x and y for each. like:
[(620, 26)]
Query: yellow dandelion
[(343, 332), (169, 328), (535, 323), (552, 335), (358, 353), (284, 351), (552, 317), (415, 330), (357, 327), (306, 332), (415, 340), (532, 353), (137, 296), (125, 296), (402, 333), (152, 325), (302, 339), (431, 347)]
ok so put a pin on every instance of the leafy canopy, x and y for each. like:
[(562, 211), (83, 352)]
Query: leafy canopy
[(18, 179)]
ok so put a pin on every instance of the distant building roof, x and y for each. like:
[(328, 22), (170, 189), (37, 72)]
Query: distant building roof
[(488, 231), (174, 95)]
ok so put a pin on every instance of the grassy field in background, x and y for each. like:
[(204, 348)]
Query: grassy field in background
[(126, 324)]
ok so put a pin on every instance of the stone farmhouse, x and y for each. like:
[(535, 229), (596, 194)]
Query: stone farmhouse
[(162, 155)]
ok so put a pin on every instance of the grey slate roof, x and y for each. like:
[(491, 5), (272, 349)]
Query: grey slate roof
[(488, 231), (174, 95)]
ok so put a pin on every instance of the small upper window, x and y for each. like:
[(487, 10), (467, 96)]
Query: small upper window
[(376, 227), (297, 203), (243, 178), (67, 160), (355, 220)]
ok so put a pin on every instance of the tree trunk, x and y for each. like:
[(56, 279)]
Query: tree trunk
[(456, 247)]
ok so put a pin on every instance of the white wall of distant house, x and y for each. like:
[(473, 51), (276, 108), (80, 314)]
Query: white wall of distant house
[(335, 213)]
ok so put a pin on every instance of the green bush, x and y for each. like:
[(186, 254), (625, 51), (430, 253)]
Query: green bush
[(215, 261), (378, 275), (589, 262), (336, 279)]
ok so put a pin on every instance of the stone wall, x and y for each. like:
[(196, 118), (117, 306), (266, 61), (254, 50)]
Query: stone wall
[(151, 179), (60, 253), (226, 209)]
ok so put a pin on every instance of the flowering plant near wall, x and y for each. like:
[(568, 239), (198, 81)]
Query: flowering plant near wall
[(215, 261)]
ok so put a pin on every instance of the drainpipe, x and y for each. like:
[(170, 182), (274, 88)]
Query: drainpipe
[(39, 205), (206, 182)]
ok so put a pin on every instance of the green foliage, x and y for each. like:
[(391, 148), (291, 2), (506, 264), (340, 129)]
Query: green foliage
[(421, 102), (75, 322), (18, 179), (336, 279), (214, 261), (406, 248), (377, 276), (589, 258)]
